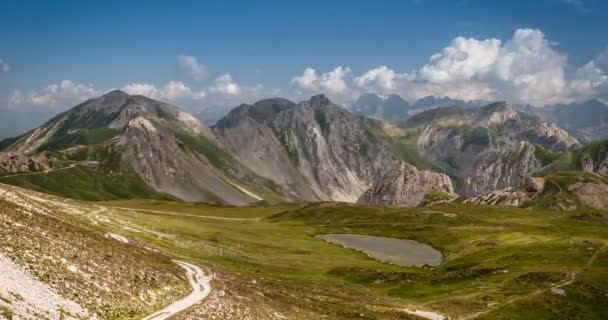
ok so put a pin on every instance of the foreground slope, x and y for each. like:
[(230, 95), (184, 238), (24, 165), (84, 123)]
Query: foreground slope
[(53, 253)]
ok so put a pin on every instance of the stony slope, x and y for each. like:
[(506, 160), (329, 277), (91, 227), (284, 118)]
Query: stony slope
[(45, 241)]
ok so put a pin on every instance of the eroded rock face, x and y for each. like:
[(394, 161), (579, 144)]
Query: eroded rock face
[(599, 166), (405, 186), (498, 169), (591, 194), (16, 163)]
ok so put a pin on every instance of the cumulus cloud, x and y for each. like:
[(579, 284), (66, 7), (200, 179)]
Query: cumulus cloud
[(332, 82), (382, 79), (190, 66), (225, 85), (524, 69), (307, 81), (172, 91), (65, 93), (4, 67)]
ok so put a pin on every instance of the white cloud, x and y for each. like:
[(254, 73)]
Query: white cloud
[(308, 79), (382, 79), (332, 82), (63, 94), (5, 67), (601, 61), (190, 66), (524, 69), (461, 61), (172, 91), (225, 85)]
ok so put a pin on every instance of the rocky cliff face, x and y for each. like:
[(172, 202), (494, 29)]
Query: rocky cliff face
[(498, 169), (598, 165), (405, 186), (315, 148)]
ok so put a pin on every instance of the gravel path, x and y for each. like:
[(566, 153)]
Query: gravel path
[(201, 288)]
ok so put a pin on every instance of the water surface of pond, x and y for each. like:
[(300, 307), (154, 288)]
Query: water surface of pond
[(401, 252)]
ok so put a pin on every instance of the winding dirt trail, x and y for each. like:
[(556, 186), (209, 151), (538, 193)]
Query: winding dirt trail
[(201, 288), (187, 214)]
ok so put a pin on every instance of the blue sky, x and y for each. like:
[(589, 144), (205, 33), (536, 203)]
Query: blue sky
[(246, 50)]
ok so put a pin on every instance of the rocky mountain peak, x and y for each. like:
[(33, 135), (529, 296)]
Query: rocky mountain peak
[(319, 100)]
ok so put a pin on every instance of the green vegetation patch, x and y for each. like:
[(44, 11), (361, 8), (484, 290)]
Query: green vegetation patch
[(85, 137), (218, 157)]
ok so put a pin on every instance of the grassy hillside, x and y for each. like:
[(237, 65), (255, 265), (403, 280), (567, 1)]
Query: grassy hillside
[(500, 263), (571, 160), (78, 174), (563, 191)]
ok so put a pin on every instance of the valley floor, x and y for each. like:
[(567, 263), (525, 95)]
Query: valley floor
[(266, 262)]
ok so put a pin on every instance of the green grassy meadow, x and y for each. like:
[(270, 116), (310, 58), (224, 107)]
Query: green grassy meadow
[(499, 262)]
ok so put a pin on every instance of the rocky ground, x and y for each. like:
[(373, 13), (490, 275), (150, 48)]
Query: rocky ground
[(107, 277)]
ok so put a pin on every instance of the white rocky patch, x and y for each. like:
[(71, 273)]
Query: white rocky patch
[(142, 123), (190, 121), (426, 314), (30, 299), (117, 237)]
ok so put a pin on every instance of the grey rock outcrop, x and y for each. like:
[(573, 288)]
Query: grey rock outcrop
[(598, 166), (15, 163), (498, 169), (531, 189), (405, 186)]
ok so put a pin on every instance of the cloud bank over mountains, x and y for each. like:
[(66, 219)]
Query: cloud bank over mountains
[(524, 69), (527, 68)]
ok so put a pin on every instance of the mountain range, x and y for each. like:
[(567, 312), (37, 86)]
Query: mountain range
[(120, 146)]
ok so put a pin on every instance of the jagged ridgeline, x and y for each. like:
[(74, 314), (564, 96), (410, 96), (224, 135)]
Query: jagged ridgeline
[(121, 146)]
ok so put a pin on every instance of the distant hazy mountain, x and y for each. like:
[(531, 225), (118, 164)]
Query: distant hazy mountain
[(388, 107), (431, 102), (588, 120), (394, 108)]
